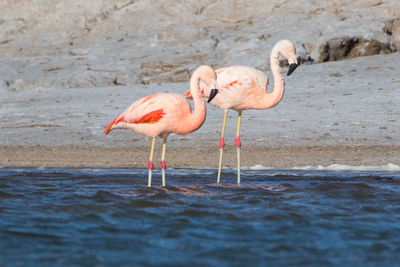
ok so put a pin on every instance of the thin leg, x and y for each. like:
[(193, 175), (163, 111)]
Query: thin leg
[(221, 146), (151, 166), (163, 165), (238, 145)]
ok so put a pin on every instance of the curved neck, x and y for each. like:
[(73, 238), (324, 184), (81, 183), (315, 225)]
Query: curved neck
[(271, 99), (194, 121)]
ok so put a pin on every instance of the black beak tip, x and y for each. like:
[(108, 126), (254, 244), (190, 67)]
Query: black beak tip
[(292, 67), (213, 93)]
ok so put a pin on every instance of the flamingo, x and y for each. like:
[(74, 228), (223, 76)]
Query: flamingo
[(241, 88), (165, 113)]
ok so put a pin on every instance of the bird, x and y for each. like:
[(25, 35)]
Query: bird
[(242, 87), (165, 113)]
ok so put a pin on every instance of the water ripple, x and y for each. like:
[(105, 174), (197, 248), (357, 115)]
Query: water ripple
[(283, 217)]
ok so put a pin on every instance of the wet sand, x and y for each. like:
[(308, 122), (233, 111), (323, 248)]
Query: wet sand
[(205, 157)]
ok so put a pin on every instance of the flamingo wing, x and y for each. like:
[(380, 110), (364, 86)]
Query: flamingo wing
[(241, 78), (147, 110)]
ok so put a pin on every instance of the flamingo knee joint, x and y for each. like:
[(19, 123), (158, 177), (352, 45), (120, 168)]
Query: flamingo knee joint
[(151, 165)]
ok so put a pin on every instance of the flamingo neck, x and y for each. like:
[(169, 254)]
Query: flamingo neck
[(270, 100), (198, 115)]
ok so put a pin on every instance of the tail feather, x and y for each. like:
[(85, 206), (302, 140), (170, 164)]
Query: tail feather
[(115, 122)]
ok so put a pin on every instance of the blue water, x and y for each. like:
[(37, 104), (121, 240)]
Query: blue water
[(67, 217)]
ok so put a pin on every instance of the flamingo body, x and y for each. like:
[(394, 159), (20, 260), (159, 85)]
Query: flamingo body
[(241, 88), (166, 113), (157, 115)]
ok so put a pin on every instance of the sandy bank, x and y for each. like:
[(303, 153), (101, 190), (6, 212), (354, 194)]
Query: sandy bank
[(335, 112), (205, 157)]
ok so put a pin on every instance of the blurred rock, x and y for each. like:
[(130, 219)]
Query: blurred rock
[(345, 47), (393, 29)]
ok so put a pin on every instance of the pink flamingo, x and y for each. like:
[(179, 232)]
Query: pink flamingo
[(165, 113), (241, 88)]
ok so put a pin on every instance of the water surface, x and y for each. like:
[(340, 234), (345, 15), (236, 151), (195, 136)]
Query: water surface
[(65, 217)]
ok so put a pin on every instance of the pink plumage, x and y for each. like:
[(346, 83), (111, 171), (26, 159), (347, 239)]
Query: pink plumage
[(166, 113), (241, 88)]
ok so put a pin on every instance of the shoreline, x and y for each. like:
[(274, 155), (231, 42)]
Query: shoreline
[(332, 113), (192, 158)]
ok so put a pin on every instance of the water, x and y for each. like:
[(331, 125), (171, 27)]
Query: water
[(67, 217)]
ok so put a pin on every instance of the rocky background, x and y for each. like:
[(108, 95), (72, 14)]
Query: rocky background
[(67, 68), (93, 43)]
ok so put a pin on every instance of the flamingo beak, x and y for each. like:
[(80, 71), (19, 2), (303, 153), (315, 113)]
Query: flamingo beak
[(292, 68), (213, 93)]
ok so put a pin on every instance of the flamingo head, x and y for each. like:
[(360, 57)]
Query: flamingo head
[(288, 50), (209, 78)]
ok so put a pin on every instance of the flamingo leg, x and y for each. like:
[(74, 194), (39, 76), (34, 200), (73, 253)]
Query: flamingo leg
[(151, 166), (221, 146), (163, 165), (238, 145)]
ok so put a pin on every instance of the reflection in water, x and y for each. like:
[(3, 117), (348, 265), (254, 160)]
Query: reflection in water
[(109, 217)]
